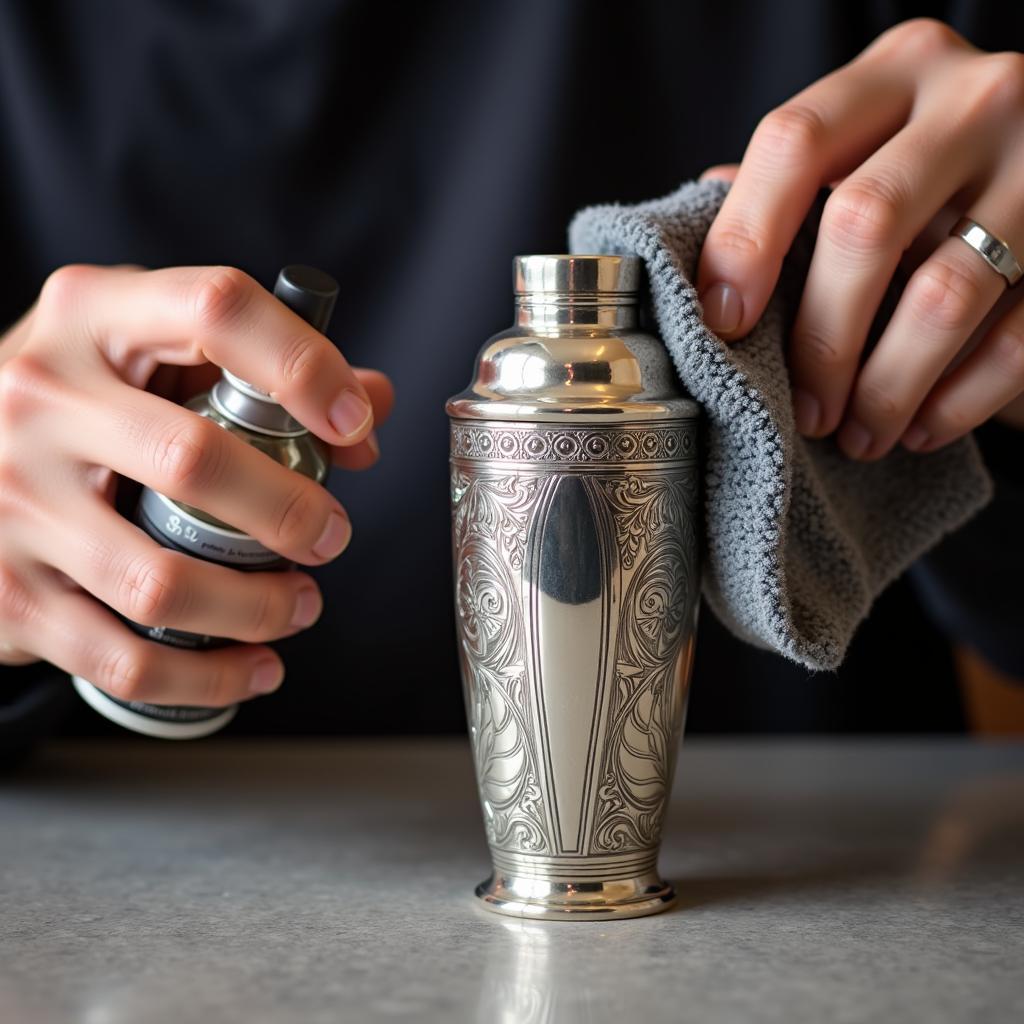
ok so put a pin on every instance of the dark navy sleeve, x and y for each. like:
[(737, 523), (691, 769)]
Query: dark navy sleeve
[(34, 700), (972, 583)]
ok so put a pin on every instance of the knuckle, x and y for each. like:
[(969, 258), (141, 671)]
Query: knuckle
[(862, 216), (875, 403), (297, 512), (27, 385), (125, 673), (299, 361), (945, 297), (924, 37), (212, 687), (996, 83), (818, 349), (13, 492), (62, 289), (221, 296), (151, 589), (15, 601), (190, 456), (1008, 352), (266, 617), (20, 500), (218, 691), (790, 133), (949, 416), (738, 238)]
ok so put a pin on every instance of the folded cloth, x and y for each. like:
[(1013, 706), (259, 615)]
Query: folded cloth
[(798, 539)]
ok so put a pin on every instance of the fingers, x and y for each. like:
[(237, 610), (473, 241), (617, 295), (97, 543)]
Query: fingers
[(154, 586), (14, 657), (382, 398), (358, 456), (17, 607), (197, 463), (380, 391), (820, 134), (189, 315), (77, 634), (868, 222), (988, 380), (944, 302)]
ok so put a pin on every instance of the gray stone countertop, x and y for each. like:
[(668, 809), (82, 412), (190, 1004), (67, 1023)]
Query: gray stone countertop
[(332, 881)]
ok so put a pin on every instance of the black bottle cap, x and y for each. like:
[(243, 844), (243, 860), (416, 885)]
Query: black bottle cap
[(309, 292)]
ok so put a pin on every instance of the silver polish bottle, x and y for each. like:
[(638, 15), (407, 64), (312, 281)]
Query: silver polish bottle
[(255, 418), (575, 518)]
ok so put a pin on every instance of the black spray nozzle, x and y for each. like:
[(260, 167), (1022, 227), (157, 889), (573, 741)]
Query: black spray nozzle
[(309, 292)]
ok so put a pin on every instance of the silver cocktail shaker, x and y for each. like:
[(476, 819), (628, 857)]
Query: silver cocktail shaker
[(574, 529)]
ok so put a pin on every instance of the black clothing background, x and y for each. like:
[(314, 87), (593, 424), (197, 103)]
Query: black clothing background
[(411, 151)]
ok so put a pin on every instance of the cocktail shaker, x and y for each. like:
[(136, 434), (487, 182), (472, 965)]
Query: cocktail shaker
[(574, 491)]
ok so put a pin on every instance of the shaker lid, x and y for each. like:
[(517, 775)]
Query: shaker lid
[(575, 352), (578, 275)]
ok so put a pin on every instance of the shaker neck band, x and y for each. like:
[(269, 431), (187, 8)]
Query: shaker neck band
[(538, 309), (256, 412)]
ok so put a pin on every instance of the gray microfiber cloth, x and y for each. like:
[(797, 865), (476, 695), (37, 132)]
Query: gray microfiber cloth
[(798, 539)]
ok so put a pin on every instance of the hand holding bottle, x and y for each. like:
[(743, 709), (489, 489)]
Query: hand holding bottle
[(74, 414)]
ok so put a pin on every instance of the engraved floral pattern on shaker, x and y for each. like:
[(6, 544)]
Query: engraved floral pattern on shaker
[(650, 516)]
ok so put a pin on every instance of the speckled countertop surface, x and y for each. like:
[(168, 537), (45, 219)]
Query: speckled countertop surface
[(331, 881)]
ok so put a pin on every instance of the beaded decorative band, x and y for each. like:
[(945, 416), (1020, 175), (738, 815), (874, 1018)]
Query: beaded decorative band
[(556, 442)]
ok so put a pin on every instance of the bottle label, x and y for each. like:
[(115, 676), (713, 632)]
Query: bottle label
[(168, 523), (174, 527), (175, 637), (167, 713)]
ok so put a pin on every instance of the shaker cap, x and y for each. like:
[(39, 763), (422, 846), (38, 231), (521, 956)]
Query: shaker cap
[(581, 275), (309, 292)]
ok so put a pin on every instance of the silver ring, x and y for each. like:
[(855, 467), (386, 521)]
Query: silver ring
[(993, 250)]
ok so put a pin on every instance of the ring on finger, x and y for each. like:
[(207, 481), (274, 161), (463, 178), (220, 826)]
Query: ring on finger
[(992, 249)]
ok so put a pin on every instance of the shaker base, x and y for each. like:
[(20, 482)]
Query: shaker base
[(526, 896)]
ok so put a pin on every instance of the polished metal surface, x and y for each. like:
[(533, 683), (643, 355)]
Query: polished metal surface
[(574, 353), (607, 279), (252, 407), (576, 573), (323, 881), (992, 249), (286, 441)]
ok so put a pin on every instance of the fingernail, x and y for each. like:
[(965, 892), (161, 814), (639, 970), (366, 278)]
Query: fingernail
[(335, 537), (723, 308), (349, 413), (915, 437), (266, 677), (854, 439), (308, 605), (373, 443), (806, 410)]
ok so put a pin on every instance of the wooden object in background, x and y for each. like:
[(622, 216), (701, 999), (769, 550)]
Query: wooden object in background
[(993, 701)]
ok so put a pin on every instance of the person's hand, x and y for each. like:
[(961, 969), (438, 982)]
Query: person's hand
[(917, 131), (73, 413)]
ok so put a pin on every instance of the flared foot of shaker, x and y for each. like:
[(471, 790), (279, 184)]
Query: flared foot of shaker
[(543, 900)]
